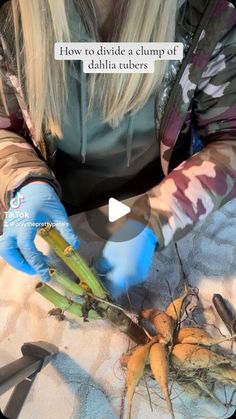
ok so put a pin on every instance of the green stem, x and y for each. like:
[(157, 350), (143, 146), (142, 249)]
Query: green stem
[(73, 260), (66, 282), (62, 302), (117, 317)]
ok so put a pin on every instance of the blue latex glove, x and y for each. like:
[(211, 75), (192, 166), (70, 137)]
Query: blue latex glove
[(39, 203), (127, 262)]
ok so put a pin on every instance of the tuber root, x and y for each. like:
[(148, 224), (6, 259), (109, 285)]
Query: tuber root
[(163, 323), (135, 369), (174, 309), (160, 367), (189, 356)]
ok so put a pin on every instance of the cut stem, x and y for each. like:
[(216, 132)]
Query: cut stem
[(73, 260), (62, 302)]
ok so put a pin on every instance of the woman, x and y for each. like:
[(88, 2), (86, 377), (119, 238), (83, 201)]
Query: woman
[(62, 133)]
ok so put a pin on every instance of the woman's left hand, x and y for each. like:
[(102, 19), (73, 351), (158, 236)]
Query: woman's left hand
[(126, 262)]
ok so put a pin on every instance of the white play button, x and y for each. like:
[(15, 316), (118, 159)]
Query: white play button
[(117, 209)]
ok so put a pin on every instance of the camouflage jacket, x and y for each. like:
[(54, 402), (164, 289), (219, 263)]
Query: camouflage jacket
[(203, 98)]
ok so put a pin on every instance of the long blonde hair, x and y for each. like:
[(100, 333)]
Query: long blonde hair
[(39, 24)]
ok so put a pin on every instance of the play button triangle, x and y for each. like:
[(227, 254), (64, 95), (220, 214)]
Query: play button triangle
[(117, 209)]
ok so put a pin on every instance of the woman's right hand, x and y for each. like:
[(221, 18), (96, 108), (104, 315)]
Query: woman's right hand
[(39, 204)]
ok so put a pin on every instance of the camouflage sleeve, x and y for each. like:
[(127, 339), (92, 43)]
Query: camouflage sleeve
[(19, 163), (207, 180)]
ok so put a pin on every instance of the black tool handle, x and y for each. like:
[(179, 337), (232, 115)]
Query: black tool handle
[(224, 312)]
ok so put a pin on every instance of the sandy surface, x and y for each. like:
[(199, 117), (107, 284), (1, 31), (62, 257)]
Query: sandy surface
[(85, 380)]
